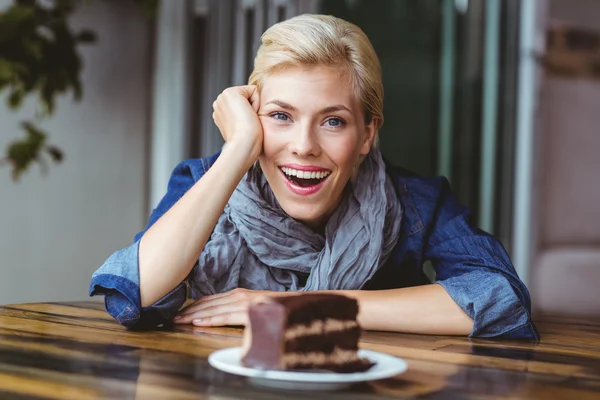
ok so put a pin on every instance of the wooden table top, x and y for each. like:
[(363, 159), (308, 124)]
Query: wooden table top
[(76, 351)]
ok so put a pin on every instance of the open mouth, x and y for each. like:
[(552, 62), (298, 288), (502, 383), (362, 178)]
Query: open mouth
[(304, 179)]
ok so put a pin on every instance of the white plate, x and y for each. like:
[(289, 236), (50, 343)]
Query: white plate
[(386, 366)]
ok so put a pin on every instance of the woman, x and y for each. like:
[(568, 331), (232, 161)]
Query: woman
[(300, 199)]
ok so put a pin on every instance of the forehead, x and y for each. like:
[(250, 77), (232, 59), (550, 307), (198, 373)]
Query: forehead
[(309, 85)]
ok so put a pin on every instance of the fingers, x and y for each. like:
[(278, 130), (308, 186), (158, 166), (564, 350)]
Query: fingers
[(235, 318), (253, 97), (250, 92), (224, 314), (247, 90), (212, 301), (229, 308), (235, 114)]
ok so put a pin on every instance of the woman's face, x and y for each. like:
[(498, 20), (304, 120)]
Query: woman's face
[(314, 132)]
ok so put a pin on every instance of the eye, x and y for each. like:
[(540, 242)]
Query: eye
[(279, 116), (334, 122)]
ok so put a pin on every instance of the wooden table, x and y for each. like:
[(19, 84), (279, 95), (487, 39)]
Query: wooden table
[(76, 351)]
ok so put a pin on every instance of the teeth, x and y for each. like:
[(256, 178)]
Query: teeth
[(305, 174)]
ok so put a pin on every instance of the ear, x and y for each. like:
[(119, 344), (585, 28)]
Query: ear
[(370, 131)]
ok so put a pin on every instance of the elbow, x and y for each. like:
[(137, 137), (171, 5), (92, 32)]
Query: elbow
[(122, 309), (496, 308)]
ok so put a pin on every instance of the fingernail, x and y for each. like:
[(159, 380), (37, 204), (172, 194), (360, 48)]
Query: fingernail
[(197, 321), (177, 318)]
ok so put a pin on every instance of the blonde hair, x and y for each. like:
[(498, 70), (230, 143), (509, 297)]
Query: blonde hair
[(323, 40)]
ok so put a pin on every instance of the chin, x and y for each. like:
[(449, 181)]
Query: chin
[(306, 214)]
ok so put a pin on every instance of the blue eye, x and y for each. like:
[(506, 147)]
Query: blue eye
[(280, 116), (334, 122)]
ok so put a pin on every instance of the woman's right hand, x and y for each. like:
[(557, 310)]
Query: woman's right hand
[(235, 114)]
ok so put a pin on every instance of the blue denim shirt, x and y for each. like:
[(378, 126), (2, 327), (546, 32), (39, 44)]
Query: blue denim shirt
[(470, 264)]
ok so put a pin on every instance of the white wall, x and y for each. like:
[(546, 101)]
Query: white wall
[(565, 273), (55, 230)]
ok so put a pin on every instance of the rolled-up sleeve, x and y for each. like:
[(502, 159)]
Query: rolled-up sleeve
[(118, 278), (475, 270)]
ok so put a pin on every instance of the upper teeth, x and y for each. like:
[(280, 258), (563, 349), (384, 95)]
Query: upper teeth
[(305, 174)]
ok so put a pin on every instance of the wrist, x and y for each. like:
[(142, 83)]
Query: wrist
[(241, 154)]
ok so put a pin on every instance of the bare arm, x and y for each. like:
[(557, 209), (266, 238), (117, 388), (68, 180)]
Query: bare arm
[(425, 309), (170, 248)]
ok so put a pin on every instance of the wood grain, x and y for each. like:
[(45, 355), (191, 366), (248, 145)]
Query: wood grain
[(76, 351)]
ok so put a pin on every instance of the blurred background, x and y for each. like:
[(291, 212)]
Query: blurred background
[(500, 96)]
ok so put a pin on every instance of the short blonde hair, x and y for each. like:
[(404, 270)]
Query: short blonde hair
[(324, 40)]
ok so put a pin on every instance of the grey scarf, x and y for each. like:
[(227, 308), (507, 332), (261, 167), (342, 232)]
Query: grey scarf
[(256, 245)]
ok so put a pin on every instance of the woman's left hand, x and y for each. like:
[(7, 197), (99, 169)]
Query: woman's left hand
[(229, 308)]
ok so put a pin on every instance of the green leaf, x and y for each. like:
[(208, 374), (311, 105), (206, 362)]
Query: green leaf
[(38, 52), (15, 99), (22, 153), (39, 56), (56, 154), (65, 6), (6, 70), (47, 94), (33, 49), (34, 134), (14, 17), (26, 3)]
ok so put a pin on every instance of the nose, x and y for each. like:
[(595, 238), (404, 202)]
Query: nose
[(305, 142)]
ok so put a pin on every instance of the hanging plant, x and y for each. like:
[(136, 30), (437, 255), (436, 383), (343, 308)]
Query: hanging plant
[(39, 58)]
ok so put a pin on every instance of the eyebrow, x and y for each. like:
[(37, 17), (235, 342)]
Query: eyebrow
[(329, 109), (283, 104), (337, 107)]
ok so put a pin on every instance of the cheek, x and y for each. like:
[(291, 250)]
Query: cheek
[(273, 140), (344, 152)]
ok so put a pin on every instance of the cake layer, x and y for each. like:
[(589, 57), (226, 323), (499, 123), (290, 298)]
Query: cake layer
[(303, 309), (339, 360), (359, 366), (326, 343), (319, 327)]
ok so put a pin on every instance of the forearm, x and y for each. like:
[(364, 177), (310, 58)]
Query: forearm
[(170, 248), (425, 309)]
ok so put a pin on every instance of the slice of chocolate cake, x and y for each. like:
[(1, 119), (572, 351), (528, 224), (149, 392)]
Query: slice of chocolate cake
[(304, 332)]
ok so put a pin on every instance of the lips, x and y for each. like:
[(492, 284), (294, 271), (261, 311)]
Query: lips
[(304, 180)]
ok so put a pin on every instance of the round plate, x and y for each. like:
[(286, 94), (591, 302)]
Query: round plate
[(386, 366)]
